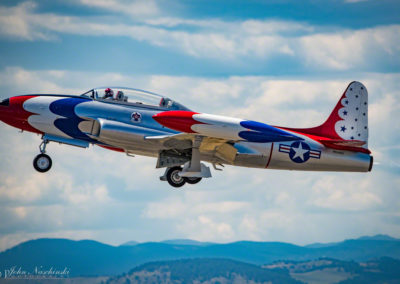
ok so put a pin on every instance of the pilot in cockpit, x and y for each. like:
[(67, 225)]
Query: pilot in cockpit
[(108, 94), (120, 96)]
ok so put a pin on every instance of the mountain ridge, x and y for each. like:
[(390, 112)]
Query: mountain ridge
[(378, 237), (90, 258)]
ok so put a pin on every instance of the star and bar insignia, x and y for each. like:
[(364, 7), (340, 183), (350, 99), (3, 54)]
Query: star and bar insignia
[(299, 152)]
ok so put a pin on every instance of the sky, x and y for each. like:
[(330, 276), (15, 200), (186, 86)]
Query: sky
[(280, 62)]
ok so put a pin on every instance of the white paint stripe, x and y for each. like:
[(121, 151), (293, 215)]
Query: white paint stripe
[(218, 126), (217, 119), (44, 118), (219, 131)]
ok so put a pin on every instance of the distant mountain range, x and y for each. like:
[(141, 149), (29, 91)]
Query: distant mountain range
[(198, 243), (91, 258), (368, 238), (174, 242)]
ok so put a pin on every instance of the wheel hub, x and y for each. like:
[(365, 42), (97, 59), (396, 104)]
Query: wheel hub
[(176, 177), (43, 163)]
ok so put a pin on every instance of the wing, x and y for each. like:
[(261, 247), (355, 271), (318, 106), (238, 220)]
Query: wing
[(221, 149)]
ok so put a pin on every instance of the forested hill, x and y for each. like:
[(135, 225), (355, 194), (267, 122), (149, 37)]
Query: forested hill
[(223, 271), (203, 271)]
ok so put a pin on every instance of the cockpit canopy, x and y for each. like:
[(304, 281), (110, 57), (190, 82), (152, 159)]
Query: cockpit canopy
[(131, 96)]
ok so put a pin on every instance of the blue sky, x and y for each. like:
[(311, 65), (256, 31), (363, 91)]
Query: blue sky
[(280, 62)]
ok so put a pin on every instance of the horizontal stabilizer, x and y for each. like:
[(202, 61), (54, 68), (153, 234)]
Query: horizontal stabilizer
[(349, 145)]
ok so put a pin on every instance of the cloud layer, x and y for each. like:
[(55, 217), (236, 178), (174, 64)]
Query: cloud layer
[(314, 47)]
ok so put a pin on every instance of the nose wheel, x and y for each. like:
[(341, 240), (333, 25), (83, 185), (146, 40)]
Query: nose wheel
[(42, 162)]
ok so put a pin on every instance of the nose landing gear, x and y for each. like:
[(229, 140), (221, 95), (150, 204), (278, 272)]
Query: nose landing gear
[(42, 162)]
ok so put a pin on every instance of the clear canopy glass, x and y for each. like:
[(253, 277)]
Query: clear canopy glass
[(132, 96)]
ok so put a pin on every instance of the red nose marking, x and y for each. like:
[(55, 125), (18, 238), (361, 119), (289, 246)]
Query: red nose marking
[(15, 115), (178, 120)]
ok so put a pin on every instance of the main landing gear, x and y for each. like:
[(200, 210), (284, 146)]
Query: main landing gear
[(192, 172), (42, 162), (172, 175)]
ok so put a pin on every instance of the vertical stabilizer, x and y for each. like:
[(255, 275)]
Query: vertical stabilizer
[(348, 120), (353, 114)]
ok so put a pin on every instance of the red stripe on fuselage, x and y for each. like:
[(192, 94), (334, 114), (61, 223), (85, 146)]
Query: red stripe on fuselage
[(178, 120), (270, 155), (112, 148)]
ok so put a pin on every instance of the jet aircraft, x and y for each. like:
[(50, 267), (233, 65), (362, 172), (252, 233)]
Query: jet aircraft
[(137, 122)]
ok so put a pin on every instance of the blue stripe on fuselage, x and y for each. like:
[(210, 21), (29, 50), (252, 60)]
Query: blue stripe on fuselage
[(263, 133), (69, 124)]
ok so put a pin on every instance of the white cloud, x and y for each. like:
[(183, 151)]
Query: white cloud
[(137, 8), (194, 203), (14, 23), (235, 41), (22, 81), (21, 185), (355, 195), (343, 50), (207, 228)]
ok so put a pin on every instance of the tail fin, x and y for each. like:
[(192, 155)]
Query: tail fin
[(348, 122)]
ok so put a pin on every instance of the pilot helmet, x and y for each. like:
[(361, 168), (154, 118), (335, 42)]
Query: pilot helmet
[(109, 91)]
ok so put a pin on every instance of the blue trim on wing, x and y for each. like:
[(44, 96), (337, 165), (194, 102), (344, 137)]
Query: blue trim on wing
[(263, 133), (69, 124)]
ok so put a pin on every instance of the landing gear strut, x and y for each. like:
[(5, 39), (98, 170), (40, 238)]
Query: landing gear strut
[(193, 171), (42, 162)]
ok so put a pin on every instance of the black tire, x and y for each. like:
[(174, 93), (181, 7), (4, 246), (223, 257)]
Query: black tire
[(42, 163), (192, 180), (173, 178)]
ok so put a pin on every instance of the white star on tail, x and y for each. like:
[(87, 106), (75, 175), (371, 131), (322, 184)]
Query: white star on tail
[(299, 152)]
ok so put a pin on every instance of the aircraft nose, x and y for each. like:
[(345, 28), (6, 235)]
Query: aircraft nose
[(4, 108), (13, 113), (5, 102)]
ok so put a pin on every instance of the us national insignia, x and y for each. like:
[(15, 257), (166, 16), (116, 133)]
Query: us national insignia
[(299, 152)]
